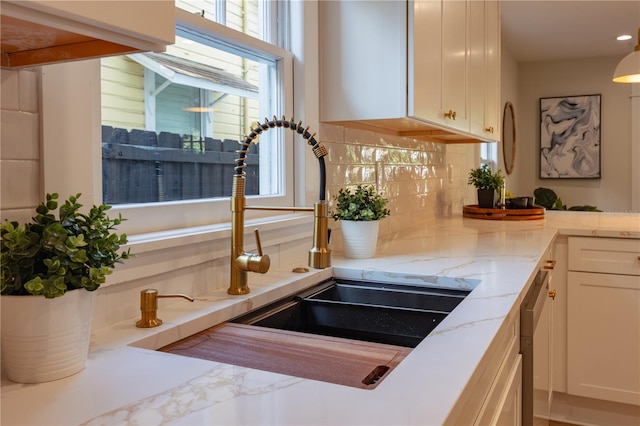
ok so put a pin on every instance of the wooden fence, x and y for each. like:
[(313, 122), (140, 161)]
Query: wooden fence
[(146, 167)]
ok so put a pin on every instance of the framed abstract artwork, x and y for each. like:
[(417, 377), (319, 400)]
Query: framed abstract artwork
[(570, 137)]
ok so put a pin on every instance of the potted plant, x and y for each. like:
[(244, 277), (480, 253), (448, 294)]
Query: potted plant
[(359, 213), (487, 183), (548, 199), (69, 255)]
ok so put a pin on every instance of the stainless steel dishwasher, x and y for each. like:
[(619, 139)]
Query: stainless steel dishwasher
[(531, 312)]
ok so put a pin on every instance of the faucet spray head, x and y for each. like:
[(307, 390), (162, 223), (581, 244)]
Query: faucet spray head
[(320, 254)]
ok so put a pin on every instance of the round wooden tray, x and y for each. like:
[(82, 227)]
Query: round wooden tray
[(473, 211)]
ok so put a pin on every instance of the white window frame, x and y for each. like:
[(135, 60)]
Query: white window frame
[(72, 136), (489, 154)]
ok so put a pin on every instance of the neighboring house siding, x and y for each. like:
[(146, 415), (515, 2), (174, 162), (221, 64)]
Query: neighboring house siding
[(122, 93), (244, 17), (123, 104), (176, 120)]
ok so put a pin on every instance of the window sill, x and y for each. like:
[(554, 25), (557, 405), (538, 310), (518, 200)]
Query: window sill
[(164, 251)]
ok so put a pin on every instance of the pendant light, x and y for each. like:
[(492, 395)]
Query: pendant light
[(628, 70)]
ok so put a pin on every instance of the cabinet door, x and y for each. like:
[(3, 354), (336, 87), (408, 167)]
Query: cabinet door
[(603, 336), (484, 69), (363, 60), (455, 54), (492, 126), (510, 407), (425, 61), (477, 67), (439, 52)]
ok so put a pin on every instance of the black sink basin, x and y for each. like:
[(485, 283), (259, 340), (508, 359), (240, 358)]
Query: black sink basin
[(396, 314), (397, 295)]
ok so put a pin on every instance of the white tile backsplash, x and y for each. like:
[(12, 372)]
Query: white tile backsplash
[(19, 145), (423, 179), (19, 135), (9, 94), (20, 185), (28, 90)]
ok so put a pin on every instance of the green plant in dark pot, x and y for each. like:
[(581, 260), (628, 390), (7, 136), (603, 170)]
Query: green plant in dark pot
[(51, 256), (487, 183)]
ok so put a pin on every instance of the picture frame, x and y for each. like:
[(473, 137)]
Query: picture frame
[(570, 137)]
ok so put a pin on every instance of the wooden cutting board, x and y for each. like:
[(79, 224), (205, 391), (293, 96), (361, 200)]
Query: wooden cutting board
[(475, 212), (329, 359)]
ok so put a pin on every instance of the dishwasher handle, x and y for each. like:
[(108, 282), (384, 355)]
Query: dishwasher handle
[(533, 303)]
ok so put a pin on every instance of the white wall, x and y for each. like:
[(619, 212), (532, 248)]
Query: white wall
[(568, 78), (509, 93)]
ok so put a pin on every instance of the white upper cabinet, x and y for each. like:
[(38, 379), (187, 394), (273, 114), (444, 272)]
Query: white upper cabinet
[(363, 59), (455, 64), (405, 68), (484, 69), (439, 49), (37, 32)]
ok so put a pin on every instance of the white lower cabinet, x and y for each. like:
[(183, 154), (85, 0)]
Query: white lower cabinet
[(603, 347), (503, 402), (603, 319), (509, 411)]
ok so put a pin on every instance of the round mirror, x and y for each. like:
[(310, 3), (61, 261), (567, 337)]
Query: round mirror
[(508, 137)]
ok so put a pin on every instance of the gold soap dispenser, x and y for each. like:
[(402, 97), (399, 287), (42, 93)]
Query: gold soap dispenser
[(149, 307)]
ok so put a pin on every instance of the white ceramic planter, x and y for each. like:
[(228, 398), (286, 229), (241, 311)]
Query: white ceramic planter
[(360, 238), (46, 339)]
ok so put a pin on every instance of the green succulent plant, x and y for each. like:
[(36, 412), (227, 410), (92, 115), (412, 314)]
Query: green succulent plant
[(363, 204), (483, 178), (51, 256)]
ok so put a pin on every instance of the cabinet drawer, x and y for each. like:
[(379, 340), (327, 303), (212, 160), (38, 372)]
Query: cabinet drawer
[(604, 255)]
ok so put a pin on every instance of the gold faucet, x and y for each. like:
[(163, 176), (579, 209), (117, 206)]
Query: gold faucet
[(149, 307), (242, 262)]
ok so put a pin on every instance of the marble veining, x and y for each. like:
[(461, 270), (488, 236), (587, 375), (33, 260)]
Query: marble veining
[(221, 383), (127, 383)]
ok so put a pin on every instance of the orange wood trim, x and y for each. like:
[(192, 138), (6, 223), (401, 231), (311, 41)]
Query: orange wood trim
[(68, 52)]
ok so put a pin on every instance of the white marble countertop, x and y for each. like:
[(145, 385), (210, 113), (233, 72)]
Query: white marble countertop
[(125, 384)]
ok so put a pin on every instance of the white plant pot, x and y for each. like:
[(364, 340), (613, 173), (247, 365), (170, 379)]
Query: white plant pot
[(46, 339), (360, 238)]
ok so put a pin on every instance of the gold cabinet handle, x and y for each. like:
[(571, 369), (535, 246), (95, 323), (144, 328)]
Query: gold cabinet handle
[(552, 294), (489, 129), (549, 265), (450, 114)]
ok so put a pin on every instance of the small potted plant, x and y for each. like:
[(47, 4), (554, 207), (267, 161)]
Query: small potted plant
[(359, 213), (41, 261), (487, 183)]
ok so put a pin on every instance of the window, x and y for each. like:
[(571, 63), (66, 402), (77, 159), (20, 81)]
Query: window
[(171, 121), (489, 154)]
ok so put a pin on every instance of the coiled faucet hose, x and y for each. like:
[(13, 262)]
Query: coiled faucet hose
[(318, 150)]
